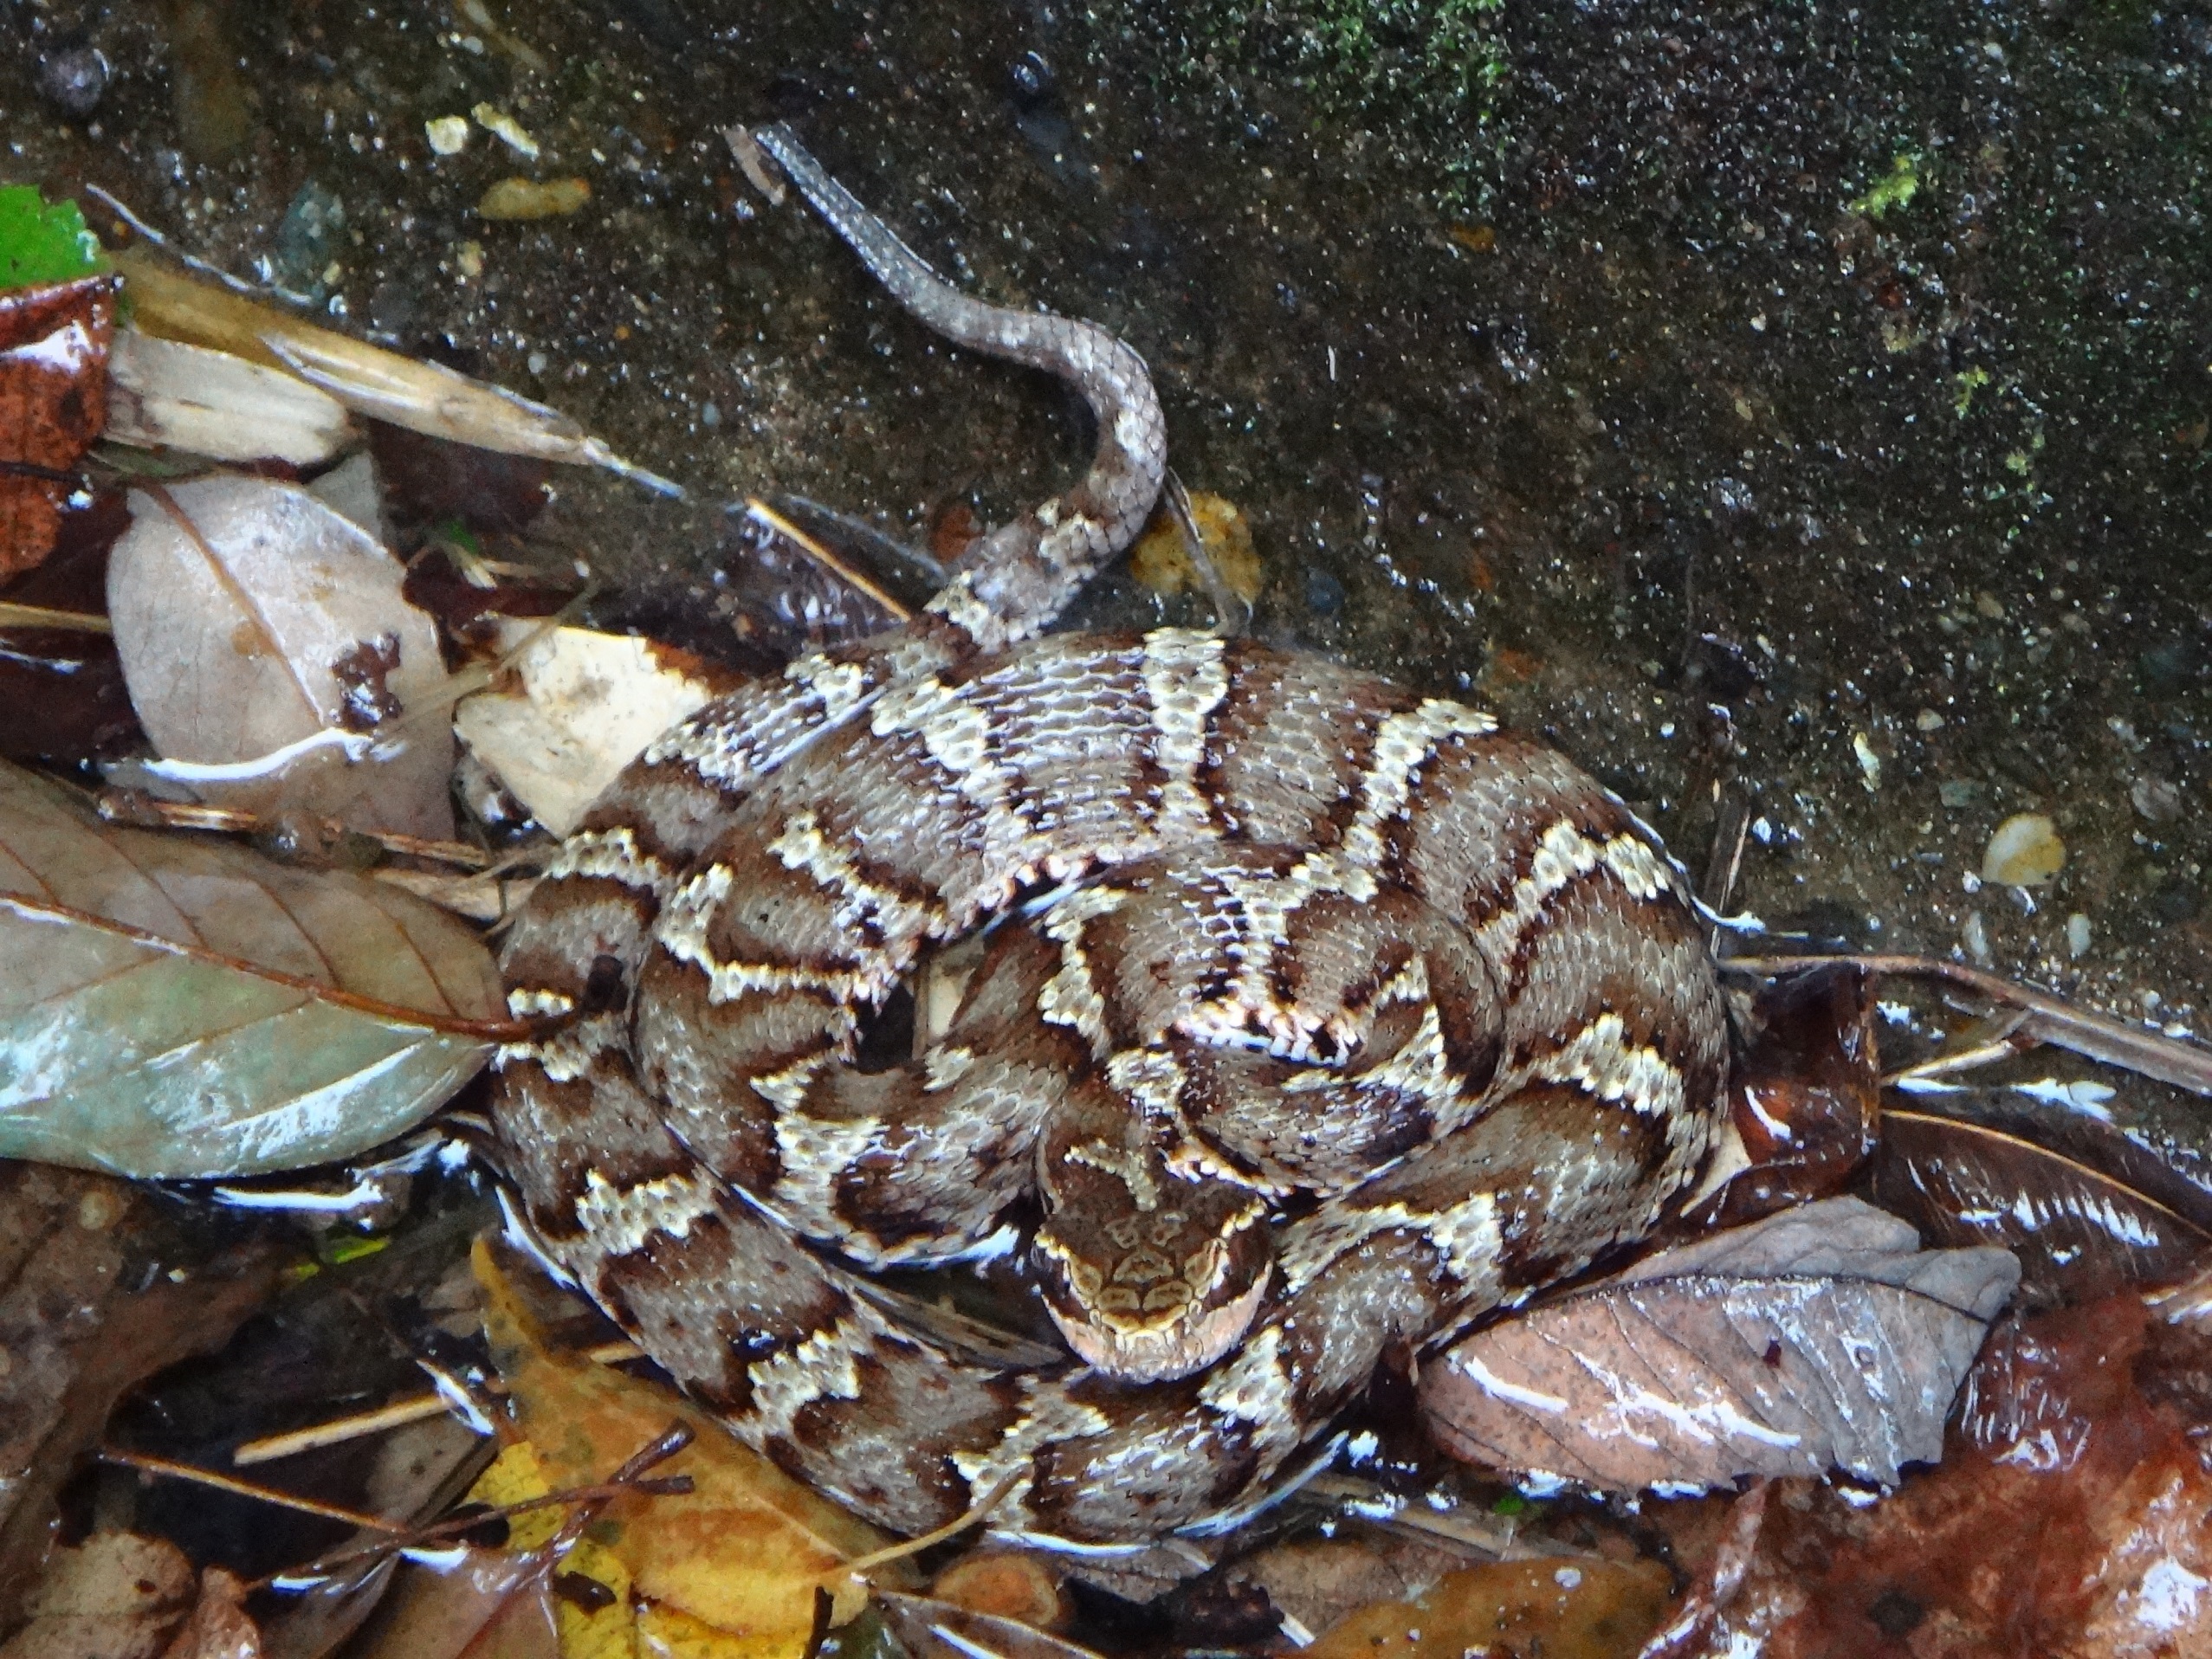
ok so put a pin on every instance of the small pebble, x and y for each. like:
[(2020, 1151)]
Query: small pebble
[(2025, 852), (525, 198), (1975, 935), (507, 129), (1957, 792), (73, 78), (2077, 936), (1870, 763), (449, 134), (468, 260), (2156, 799), (1928, 720)]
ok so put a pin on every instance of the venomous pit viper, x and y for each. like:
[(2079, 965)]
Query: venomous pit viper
[(1323, 1018)]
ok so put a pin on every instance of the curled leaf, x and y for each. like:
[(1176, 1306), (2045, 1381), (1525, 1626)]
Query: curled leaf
[(1820, 1336), (181, 1007)]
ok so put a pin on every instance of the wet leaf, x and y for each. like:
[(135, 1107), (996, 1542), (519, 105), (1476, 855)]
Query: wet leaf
[(83, 1319), (1026, 1585), (1804, 1101), (2081, 1230), (588, 704), (2074, 1530), (163, 394), (252, 618), (1821, 1336), (182, 1007), (474, 1603), (53, 403), (1554, 1608), (743, 1553)]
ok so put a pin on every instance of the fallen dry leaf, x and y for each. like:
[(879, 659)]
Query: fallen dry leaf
[(252, 618), (180, 1006), (1551, 1608), (743, 1553), (1820, 1336), (425, 397), (2084, 1220), (1026, 1585), (53, 403), (115, 1596), (164, 394), (2074, 1530), (588, 705), (218, 1627), (83, 1319)]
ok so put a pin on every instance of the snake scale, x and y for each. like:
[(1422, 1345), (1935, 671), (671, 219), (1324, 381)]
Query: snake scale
[(1316, 1018)]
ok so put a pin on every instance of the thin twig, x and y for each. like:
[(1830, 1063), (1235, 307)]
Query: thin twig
[(975, 1515), (397, 1414), (83, 622), (224, 820), (820, 552), (1232, 616), (2099, 1036), (209, 1477)]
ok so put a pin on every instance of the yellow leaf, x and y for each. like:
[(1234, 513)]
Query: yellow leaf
[(742, 1552), (1162, 559)]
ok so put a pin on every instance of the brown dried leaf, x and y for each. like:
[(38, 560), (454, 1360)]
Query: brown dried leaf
[(62, 691), (115, 1596), (77, 1335), (240, 608), (178, 1006), (1821, 1336), (53, 403), (2081, 1231), (164, 394)]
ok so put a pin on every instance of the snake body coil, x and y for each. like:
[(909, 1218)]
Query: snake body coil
[(1323, 1018)]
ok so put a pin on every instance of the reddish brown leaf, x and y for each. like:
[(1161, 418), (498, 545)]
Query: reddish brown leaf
[(61, 692), (53, 403), (2073, 1530)]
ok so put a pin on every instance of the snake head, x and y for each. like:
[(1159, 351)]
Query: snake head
[(1149, 1274)]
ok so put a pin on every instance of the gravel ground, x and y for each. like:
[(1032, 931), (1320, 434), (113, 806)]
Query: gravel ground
[(1803, 404)]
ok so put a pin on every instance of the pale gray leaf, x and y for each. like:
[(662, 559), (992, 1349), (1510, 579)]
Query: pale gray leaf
[(246, 621), (1821, 1337)]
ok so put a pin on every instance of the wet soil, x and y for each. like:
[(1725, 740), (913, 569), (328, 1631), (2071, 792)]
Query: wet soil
[(1810, 402)]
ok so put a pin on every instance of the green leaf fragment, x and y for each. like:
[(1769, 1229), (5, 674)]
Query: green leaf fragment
[(40, 243), (1896, 190)]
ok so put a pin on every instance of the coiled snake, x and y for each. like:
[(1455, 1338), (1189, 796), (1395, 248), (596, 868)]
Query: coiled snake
[(1323, 1018)]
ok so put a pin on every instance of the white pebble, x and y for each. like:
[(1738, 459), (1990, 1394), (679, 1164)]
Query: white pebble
[(2025, 852), (1976, 936), (2077, 935), (449, 134)]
